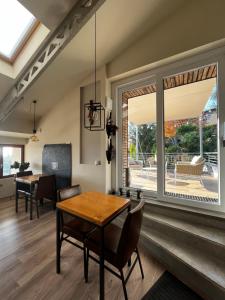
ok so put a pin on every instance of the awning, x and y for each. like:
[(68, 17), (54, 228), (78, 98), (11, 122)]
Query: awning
[(183, 102)]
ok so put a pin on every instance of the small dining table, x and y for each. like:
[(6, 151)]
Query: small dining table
[(96, 208), (29, 181)]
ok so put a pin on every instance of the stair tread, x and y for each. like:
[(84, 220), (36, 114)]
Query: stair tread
[(215, 235), (212, 269)]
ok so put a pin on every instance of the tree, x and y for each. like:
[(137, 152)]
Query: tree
[(210, 138)]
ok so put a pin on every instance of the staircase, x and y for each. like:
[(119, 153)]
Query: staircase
[(189, 245)]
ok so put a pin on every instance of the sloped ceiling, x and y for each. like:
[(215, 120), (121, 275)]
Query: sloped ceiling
[(119, 23), (50, 12)]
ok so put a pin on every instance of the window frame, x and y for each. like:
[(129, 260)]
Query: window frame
[(22, 43), (212, 56), (1, 157)]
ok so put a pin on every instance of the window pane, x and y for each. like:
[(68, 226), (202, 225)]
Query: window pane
[(190, 135), (10, 155), (18, 21), (139, 138)]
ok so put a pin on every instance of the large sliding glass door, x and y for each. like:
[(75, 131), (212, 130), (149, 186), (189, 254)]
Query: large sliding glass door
[(171, 132)]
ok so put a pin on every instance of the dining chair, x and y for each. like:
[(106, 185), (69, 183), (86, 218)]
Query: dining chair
[(73, 227), (45, 188), (119, 245), (22, 189)]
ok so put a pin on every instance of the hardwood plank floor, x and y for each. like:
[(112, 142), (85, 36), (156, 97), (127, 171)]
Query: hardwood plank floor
[(27, 263)]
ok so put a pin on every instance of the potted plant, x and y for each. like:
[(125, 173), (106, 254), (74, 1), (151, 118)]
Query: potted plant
[(21, 166)]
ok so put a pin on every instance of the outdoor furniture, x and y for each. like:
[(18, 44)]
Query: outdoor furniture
[(71, 226), (96, 208), (195, 167), (119, 244)]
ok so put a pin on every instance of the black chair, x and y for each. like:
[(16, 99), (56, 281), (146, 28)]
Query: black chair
[(73, 227), (22, 189), (119, 244), (44, 189)]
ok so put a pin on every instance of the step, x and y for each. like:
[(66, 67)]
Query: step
[(196, 269), (211, 234), (187, 215)]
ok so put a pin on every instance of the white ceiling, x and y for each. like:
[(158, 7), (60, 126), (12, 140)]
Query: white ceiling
[(119, 24)]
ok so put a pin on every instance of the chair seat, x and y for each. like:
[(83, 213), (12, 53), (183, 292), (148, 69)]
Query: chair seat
[(112, 235), (77, 229)]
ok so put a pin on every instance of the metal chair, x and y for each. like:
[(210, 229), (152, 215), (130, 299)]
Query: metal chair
[(73, 227), (119, 244)]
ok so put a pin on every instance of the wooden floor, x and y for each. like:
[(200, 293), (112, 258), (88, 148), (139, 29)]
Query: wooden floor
[(27, 263)]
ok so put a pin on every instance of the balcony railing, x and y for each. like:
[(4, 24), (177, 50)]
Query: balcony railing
[(149, 159)]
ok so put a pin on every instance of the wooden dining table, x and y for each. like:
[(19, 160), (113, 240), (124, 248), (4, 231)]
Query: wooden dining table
[(96, 208), (28, 181)]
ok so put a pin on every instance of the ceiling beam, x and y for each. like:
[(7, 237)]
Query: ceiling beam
[(75, 20)]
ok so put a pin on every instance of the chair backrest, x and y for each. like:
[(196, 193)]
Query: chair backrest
[(24, 173), (46, 188), (130, 234), (23, 187), (69, 192), (64, 194)]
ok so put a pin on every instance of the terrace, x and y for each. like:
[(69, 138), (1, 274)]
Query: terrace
[(190, 155), (143, 173)]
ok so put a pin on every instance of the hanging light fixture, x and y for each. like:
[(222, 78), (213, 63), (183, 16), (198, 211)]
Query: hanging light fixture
[(34, 137), (94, 112)]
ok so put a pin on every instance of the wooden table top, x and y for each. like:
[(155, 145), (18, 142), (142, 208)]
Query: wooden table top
[(29, 179), (95, 207)]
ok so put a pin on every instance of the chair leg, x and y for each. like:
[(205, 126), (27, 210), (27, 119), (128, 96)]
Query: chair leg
[(129, 262), (124, 285), (26, 203), (85, 264), (139, 261)]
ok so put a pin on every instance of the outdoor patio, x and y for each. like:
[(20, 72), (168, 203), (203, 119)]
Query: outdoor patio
[(146, 178)]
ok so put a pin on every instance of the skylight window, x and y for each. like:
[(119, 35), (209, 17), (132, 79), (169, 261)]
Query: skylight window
[(16, 22)]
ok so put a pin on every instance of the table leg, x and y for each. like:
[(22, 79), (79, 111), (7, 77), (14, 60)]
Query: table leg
[(31, 201), (101, 267), (17, 197), (31, 207), (129, 261), (58, 242)]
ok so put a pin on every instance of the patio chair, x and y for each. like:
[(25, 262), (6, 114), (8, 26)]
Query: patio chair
[(194, 168)]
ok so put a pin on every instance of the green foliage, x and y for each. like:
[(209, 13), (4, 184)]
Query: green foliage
[(189, 142), (185, 140), (210, 138), (147, 138), (15, 165), (132, 151), (173, 149), (21, 166)]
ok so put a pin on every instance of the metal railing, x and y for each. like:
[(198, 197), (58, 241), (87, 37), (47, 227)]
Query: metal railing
[(149, 159)]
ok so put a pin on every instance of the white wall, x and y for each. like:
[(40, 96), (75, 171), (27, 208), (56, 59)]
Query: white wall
[(7, 187), (62, 125), (197, 24)]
